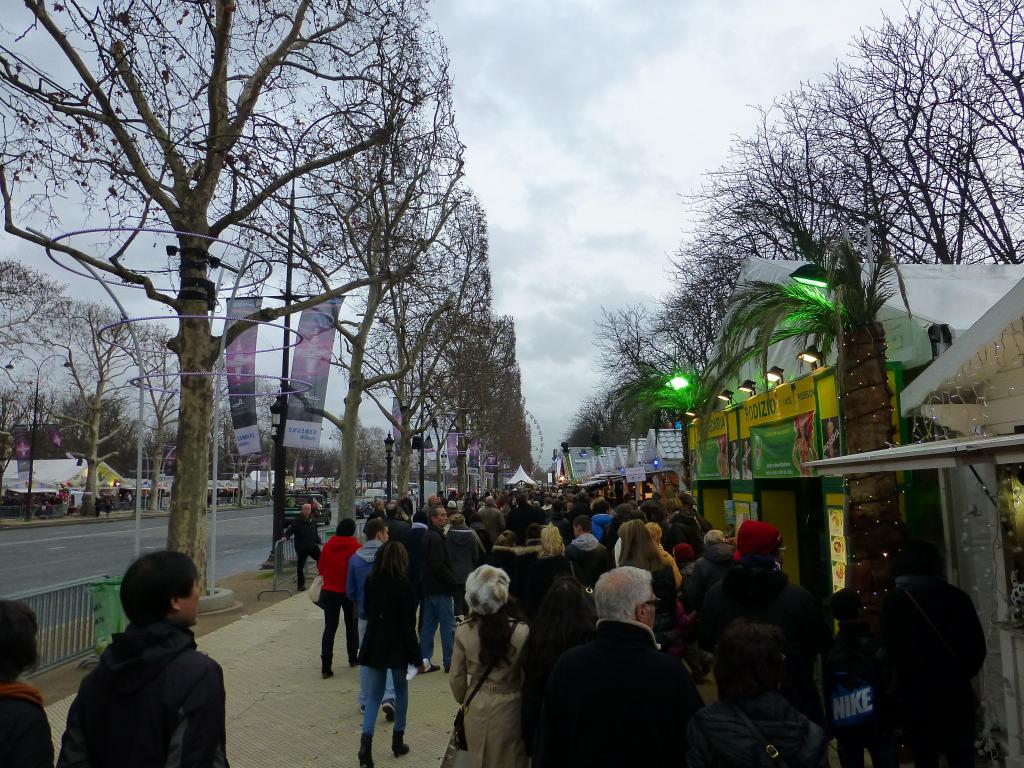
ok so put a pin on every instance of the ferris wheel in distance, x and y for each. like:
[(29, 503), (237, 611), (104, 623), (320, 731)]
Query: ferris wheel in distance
[(536, 440)]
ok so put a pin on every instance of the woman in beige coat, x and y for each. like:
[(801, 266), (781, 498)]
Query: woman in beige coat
[(491, 639)]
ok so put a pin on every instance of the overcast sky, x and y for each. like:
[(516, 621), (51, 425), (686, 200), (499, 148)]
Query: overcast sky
[(585, 121)]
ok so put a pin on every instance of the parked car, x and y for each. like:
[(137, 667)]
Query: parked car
[(293, 504), (363, 508)]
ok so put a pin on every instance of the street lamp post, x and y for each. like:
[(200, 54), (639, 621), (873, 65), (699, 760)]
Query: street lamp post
[(35, 423), (389, 447)]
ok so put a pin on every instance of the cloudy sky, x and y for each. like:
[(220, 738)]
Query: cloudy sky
[(585, 121)]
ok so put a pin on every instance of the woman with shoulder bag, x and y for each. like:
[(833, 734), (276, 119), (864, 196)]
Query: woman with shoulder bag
[(486, 673), (390, 643)]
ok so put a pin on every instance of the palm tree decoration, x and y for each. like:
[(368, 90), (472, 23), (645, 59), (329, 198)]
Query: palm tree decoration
[(843, 317)]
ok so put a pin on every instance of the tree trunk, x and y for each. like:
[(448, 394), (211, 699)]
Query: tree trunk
[(155, 465), (349, 449), (89, 508), (876, 530), (463, 453), (197, 350)]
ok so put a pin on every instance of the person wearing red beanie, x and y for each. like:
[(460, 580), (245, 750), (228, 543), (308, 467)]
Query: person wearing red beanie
[(756, 589)]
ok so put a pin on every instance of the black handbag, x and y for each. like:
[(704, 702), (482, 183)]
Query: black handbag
[(459, 730)]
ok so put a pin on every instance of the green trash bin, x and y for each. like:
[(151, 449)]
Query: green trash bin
[(107, 613)]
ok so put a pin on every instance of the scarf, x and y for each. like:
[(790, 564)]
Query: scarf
[(22, 691)]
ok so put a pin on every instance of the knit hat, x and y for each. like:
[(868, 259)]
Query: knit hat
[(452, 504), (683, 553), (757, 538), (486, 590)]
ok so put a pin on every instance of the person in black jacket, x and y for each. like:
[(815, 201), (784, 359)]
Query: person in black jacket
[(560, 521), (750, 714), (756, 589), (389, 644), (709, 569), (542, 573), (521, 516), (935, 645), (399, 527), (24, 731), (589, 557), (564, 620), (307, 541), (439, 588), (622, 665), (153, 694)]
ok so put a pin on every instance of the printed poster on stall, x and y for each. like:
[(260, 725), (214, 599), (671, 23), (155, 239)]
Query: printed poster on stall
[(838, 553), (780, 449), (713, 458)]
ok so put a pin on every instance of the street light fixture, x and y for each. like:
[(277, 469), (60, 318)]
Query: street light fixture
[(748, 386), (678, 382), (725, 396), (774, 375), (389, 447)]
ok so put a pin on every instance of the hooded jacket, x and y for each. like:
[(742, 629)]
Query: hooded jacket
[(764, 594), (153, 701), (334, 560), (708, 570), (598, 523), (516, 562), (25, 739), (717, 736), (359, 567), (465, 551), (590, 558)]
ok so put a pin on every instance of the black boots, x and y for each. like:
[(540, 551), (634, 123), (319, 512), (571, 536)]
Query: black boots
[(398, 745), (366, 751), (325, 667)]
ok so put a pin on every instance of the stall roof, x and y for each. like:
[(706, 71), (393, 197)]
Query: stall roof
[(1004, 449), (54, 472), (520, 477), (961, 361)]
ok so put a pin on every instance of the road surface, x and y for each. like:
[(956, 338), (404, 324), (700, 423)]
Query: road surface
[(32, 558)]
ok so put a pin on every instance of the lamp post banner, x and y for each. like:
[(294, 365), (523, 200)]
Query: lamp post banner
[(53, 431), (22, 450), (396, 415), (453, 447), (240, 362), (474, 453), (312, 363)]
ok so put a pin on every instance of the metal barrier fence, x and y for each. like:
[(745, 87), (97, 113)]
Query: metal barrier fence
[(65, 616), (286, 563)]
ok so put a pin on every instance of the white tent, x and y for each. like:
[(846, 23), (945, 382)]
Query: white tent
[(521, 477), (50, 474)]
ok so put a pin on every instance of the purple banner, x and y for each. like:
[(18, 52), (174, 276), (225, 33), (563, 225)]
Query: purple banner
[(453, 447), (474, 453), (312, 363), (53, 431), (396, 418), (491, 461), (22, 448), (240, 363)]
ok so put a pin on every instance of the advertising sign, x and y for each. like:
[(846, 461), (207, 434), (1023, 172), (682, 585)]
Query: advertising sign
[(240, 365), (712, 458), (779, 449), (312, 363), (474, 453), (22, 449)]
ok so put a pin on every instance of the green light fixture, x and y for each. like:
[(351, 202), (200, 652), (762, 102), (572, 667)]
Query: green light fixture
[(678, 382), (810, 274)]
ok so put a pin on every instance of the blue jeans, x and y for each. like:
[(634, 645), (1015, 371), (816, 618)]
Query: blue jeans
[(437, 610), (377, 679), (364, 680)]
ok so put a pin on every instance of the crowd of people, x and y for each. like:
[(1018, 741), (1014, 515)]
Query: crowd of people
[(574, 632)]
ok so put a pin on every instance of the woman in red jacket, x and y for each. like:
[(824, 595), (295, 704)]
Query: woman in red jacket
[(333, 566)]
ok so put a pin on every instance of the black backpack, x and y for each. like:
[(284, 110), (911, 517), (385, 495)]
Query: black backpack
[(853, 685)]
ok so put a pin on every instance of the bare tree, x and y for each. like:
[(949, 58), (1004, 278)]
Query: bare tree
[(186, 115)]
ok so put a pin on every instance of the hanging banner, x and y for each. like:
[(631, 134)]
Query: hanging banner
[(312, 363), (169, 458), (780, 449), (396, 418), (474, 453), (53, 432), (491, 461), (429, 451), (22, 449), (452, 441), (240, 365)]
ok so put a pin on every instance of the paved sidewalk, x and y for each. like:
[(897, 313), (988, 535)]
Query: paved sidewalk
[(281, 713)]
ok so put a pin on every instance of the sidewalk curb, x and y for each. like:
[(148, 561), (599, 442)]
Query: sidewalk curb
[(22, 525)]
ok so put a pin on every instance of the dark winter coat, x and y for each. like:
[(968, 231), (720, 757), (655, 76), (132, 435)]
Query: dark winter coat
[(765, 595), (590, 559), (717, 736), (591, 683), (516, 562), (464, 550), (390, 639), (399, 530), (519, 519), (307, 537), (152, 696), (415, 546), (933, 681), (481, 531), (438, 576), (707, 571), (684, 528), (24, 731), (564, 526), (540, 576)]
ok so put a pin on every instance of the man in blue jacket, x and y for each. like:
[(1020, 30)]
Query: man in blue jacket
[(359, 567)]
